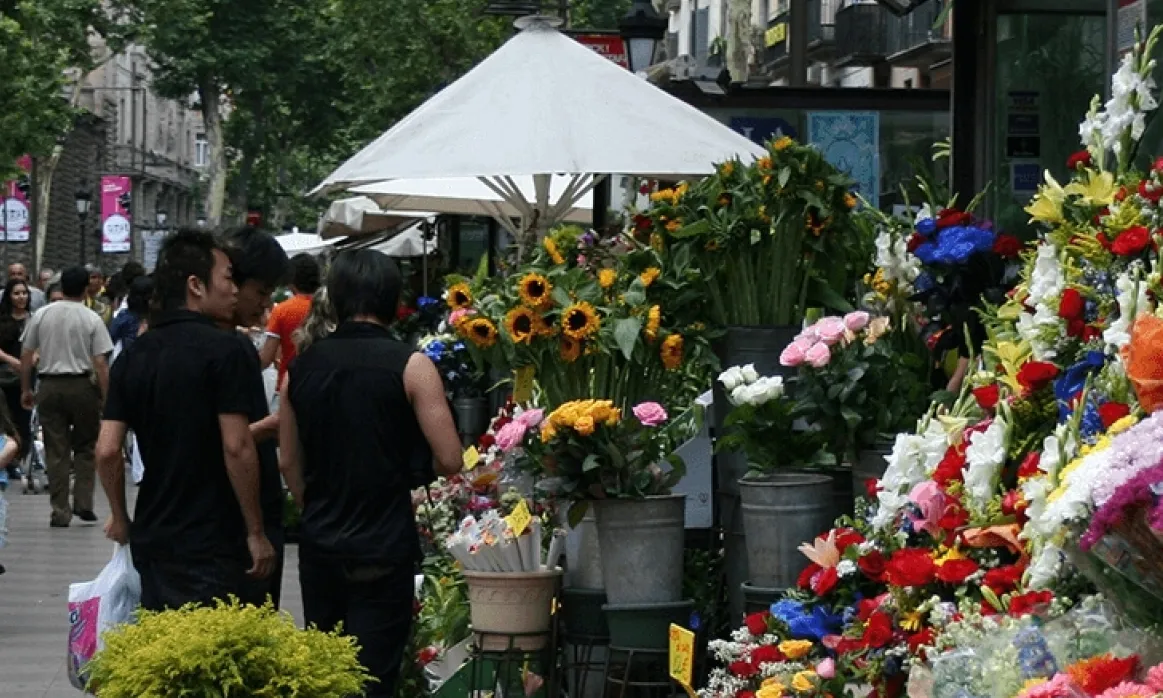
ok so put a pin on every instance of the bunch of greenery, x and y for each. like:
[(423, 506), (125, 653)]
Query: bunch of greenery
[(228, 650)]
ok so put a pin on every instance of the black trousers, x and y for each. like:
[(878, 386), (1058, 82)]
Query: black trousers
[(172, 582), (374, 604)]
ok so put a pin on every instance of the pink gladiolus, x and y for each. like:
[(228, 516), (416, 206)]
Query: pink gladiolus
[(819, 355), (831, 329), (650, 414), (531, 418), (792, 355), (458, 315), (856, 321), (511, 435), (826, 669)]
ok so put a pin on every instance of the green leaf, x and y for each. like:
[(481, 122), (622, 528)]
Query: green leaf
[(820, 293), (592, 462), (636, 294), (577, 512), (626, 335), (561, 297), (784, 176), (699, 227), (851, 417)]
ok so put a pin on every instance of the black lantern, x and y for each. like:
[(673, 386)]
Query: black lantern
[(84, 200), (642, 28), (161, 217), (901, 7), (512, 8)]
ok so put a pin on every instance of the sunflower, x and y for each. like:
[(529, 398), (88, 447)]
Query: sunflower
[(726, 168), (849, 200), (672, 352), (653, 320), (459, 296), (521, 324), (480, 331), (782, 144), (650, 276), (570, 350), (534, 290), (554, 254), (607, 277), (764, 162), (580, 320)]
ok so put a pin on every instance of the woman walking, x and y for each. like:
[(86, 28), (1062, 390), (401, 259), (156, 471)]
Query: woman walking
[(14, 314), (357, 407)]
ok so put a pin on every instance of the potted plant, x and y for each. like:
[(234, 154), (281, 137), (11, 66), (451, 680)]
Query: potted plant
[(246, 650)]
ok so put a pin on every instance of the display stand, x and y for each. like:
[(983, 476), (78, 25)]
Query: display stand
[(507, 667), (633, 672)]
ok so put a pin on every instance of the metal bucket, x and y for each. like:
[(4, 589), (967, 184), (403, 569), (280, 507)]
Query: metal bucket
[(758, 599), (780, 512), (583, 554), (642, 548), (843, 501), (870, 465), (472, 418)]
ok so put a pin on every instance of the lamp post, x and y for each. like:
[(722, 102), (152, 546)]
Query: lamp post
[(161, 216), (642, 28), (83, 200)]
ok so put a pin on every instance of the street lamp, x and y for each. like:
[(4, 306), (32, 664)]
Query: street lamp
[(642, 28), (161, 218), (512, 8), (201, 221), (83, 200)]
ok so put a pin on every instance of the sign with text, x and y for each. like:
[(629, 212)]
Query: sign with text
[(151, 245), (116, 225), (609, 45), (682, 657), (15, 214)]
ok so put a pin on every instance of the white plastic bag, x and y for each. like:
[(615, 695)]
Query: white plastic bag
[(96, 606), (137, 470)]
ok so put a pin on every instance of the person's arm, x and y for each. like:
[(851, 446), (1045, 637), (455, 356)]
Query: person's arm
[(426, 391), (12, 361), (270, 349), (30, 344), (242, 468), (111, 470), (266, 428), (101, 370), (290, 449)]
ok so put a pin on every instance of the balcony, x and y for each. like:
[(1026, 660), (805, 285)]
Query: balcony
[(862, 35), (915, 42), (821, 39), (131, 161)]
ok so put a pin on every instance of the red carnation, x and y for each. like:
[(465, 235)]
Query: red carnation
[(486, 441), (1035, 375), (916, 241), (757, 622), (878, 631), (872, 565), (825, 581), (642, 224), (743, 670), (425, 656), (1071, 305), (1104, 241), (955, 571), (911, 567), (871, 487), (1111, 412), (846, 537), (766, 655), (1029, 602), (1081, 158), (1075, 327), (919, 639), (866, 607), (1102, 673), (745, 694), (1150, 191), (1029, 467), (404, 312), (947, 218), (805, 579), (951, 467), (954, 517), (987, 396), (1007, 246), (1090, 332), (1132, 241), (1003, 580), (1014, 504)]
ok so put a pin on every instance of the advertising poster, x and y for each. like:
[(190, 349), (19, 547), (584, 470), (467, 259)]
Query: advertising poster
[(15, 215), (609, 45), (116, 228)]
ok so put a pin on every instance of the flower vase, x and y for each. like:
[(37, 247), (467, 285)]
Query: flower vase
[(781, 512), (472, 418), (502, 604), (642, 548)]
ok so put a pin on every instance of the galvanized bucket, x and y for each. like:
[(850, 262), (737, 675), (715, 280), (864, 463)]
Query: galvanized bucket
[(472, 418), (642, 548), (583, 554), (870, 465), (780, 512)]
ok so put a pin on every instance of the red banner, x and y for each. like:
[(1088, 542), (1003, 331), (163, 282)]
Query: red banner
[(609, 45), (15, 218), (116, 226)]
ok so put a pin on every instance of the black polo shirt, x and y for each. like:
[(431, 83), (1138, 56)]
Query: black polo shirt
[(170, 387), (271, 481), (359, 435)]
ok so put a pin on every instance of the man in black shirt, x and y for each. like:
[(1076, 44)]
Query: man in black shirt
[(182, 388), (260, 267)]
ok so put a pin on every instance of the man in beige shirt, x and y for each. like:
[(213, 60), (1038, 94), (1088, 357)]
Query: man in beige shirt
[(73, 368)]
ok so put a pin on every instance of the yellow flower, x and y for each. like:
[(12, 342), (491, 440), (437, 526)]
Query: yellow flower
[(782, 144), (570, 350), (607, 277), (770, 690), (459, 296), (726, 169), (667, 195), (653, 321), (551, 248), (1123, 424), (521, 324), (650, 276), (548, 431), (804, 681), (602, 411), (584, 425), (849, 201), (795, 649), (1095, 188), (1047, 204), (764, 162), (580, 321), (681, 190), (673, 226), (912, 621), (480, 331), (534, 290), (672, 352), (657, 243)]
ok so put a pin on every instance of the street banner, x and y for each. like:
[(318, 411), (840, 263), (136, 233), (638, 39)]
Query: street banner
[(609, 45), (116, 229), (15, 218)]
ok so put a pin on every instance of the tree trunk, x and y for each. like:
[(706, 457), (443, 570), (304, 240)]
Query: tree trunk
[(739, 33), (45, 170), (211, 102)]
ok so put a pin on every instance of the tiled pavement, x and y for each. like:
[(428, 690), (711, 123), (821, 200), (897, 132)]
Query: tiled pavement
[(41, 563)]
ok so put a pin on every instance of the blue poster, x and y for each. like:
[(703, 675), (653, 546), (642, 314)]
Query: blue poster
[(762, 128), (850, 140)]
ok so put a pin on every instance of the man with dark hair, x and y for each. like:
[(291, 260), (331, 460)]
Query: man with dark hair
[(74, 378), (289, 315), (357, 408), (182, 388), (260, 267)]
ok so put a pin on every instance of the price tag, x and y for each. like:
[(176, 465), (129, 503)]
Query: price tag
[(520, 518), (523, 385), (682, 655), (471, 457)]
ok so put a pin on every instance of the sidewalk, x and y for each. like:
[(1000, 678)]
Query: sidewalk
[(41, 563)]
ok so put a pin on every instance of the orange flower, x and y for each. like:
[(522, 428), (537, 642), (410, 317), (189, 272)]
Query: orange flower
[(650, 276), (672, 352), (570, 350)]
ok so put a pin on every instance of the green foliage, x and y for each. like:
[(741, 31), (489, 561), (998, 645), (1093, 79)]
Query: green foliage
[(228, 650), (597, 14)]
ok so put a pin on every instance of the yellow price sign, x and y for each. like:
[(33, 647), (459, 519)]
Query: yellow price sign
[(520, 518), (471, 457), (682, 656), (523, 385)]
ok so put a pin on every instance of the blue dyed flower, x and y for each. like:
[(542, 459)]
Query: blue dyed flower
[(458, 347), (787, 609), (956, 245), (924, 282), (425, 302), (1073, 381), (926, 226)]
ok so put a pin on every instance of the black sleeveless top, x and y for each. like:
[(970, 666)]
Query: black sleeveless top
[(358, 433)]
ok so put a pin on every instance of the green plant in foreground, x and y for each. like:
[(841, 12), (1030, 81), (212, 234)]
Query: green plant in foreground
[(229, 651)]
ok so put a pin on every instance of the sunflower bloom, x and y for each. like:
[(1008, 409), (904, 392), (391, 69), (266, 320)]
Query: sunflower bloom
[(534, 290), (764, 163), (554, 254), (653, 321), (782, 144), (521, 324), (570, 350), (850, 201), (672, 352), (459, 296), (726, 168), (580, 321), (650, 276), (607, 277), (481, 332)]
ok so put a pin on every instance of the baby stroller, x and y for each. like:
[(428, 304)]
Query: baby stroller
[(34, 475)]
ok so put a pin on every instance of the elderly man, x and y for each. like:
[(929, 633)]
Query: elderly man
[(16, 270), (46, 275)]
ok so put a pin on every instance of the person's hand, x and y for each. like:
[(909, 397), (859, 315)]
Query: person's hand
[(117, 529), (262, 555), (27, 400), (14, 363)]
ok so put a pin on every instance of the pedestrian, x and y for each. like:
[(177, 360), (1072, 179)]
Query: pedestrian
[(288, 315), (54, 293), (44, 278), (319, 323), (182, 387), (355, 410), (14, 316), (130, 272), (18, 271), (96, 286), (260, 268), (73, 377), (127, 325)]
